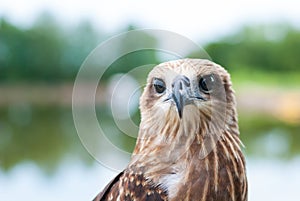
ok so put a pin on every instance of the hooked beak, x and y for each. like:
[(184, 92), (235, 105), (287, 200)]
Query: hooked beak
[(181, 93)]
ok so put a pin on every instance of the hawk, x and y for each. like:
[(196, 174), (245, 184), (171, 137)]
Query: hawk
[(188, 146)]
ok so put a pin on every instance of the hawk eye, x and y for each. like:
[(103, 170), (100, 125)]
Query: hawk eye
[(159, 85), (206, 83)]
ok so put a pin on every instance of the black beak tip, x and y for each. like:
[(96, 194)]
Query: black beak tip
[(180, 114), (179, 105)]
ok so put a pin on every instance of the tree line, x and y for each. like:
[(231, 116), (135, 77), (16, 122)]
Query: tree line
[(50, 52)]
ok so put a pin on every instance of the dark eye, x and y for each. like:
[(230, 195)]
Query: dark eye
[(206, 83), (159, 85)]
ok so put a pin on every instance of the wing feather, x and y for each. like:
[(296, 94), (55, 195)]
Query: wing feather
[(128, 186)]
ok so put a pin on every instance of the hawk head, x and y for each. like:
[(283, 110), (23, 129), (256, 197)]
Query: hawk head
[(185, 101)]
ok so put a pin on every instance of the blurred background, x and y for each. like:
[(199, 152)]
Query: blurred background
[(44, 43)]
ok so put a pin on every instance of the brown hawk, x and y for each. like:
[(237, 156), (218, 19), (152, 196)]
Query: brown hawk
[(188, 147)]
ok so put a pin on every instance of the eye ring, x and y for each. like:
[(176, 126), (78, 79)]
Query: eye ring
[(159, 85), (207, 83)]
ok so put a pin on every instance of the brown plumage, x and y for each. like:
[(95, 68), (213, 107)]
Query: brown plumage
[(188, 146)]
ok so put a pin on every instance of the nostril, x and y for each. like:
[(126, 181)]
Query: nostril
[(186, 81), (180, 85)]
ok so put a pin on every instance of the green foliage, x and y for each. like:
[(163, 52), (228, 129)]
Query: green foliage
[(263, 48), (44, 52), (134, 59), (49, 52)]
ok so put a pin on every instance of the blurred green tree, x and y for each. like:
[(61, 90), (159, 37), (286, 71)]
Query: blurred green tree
[(49, 52), (134, 59), (45, 52), (264, 48)]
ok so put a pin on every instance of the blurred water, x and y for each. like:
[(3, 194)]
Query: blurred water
[(273, 179), (72, 181), (268, 180), (45, 159)]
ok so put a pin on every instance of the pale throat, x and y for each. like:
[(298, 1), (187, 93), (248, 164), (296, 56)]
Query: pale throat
[(167, 138)]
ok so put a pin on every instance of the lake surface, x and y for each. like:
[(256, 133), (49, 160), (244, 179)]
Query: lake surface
[(42, 157), (268, 180)]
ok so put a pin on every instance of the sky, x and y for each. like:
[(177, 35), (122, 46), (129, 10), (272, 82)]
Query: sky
[(197, 20)]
